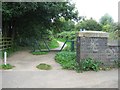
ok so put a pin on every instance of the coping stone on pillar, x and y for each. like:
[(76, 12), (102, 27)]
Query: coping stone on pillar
[(93, 34)]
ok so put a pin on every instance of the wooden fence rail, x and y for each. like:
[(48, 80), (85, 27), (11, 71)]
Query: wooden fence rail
[(5, 43)]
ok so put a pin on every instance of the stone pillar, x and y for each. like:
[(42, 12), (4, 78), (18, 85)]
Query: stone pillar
[(93, 45)]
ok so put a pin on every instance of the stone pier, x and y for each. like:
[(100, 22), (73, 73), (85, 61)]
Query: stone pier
[(94, 44)]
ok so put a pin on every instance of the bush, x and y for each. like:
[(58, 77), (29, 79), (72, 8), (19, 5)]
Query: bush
[(44, 66), (89, 64), (67, 34), (66, 59)]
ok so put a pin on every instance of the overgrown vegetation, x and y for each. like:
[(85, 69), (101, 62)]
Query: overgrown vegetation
[(70, 35), (53, 44), (6, 67), (89, 24), (44, 66), (68, 61), (114, 35), (89, 64), (67, 35)]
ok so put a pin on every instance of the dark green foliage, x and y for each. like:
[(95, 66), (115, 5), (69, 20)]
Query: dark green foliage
[(39, 53), (66, 60), (53, 44), (67, 35), (44, 66), (90, 64), (89, 24), (70, 35), (22, 20), (5, 67)]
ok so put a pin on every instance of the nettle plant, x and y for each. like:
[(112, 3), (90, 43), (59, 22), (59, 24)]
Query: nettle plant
[(89, 64)]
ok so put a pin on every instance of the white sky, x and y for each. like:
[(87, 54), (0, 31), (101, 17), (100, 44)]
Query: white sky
[(97, 8)]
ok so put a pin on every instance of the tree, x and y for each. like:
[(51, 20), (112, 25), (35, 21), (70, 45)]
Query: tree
[(106, 19), (107, 23), (89, 24), (32, 19)]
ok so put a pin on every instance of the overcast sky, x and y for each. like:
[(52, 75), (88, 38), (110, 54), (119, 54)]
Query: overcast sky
[(97, 8)]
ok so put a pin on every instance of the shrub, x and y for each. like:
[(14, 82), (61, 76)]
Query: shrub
[(90, 64), (66, 59), (44, 66), (71, 35)]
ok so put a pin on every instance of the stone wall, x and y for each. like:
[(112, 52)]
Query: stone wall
[(95, 45)]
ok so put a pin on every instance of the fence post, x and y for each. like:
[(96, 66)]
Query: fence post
[(5, 58), (72, 45)]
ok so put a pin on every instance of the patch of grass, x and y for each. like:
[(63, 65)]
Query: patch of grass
[(6, 67), (53, 44), (44, 66), (39, 53)]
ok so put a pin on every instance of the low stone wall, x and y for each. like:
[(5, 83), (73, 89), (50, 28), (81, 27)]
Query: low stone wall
[(95, 45), (112, 50)]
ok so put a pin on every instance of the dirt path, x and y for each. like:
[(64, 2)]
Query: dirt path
[(24, 60), (25, 74)]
